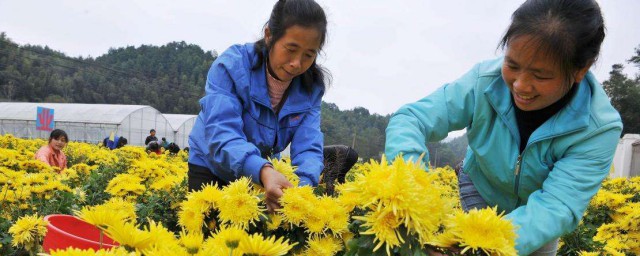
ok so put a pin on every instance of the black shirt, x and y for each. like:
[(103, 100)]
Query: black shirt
[(529, 121), (150, 139)]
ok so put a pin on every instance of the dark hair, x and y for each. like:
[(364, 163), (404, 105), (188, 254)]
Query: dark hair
[(287, 13), (153, 146), (568, 31), (152, 130), (164, 139), (173, 148), (57, 133), (122, 142)]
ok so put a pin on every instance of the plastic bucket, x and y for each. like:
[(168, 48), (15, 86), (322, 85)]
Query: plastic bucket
[(66, 231)]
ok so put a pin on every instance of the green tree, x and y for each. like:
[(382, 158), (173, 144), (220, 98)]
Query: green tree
[(624, 94)]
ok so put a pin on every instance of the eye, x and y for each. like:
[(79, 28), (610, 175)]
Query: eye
[(541, 77)]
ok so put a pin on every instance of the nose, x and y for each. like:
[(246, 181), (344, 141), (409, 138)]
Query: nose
[(522, 83), (295, 63)]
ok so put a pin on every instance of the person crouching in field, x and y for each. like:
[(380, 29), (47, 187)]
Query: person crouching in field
[(259, 98), (542, 132), (51, 153), (117, 142)]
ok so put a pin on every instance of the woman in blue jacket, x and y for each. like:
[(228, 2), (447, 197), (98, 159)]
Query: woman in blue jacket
[(542, 132), (259, 98)]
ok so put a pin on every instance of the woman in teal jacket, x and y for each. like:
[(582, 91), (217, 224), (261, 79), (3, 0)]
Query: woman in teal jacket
[(542, 132), (260, 97)]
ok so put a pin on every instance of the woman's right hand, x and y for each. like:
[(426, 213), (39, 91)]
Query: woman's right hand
[(273, 183)]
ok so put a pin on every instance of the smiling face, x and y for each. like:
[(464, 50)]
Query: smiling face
[(534, 79), (294, 52)]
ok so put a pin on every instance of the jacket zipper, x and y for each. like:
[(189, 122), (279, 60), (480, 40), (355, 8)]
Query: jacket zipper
[(519, 162), (517, 174)]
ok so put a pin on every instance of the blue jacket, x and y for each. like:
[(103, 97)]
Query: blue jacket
[(112, 144), (561, 168), (237, 128)]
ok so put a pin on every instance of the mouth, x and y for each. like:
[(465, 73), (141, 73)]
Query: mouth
[(524, 98), (288, 73)]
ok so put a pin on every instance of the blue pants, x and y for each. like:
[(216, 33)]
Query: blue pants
[(471, 199)]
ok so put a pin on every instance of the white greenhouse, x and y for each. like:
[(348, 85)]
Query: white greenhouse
[(86, 122), (182, 125)]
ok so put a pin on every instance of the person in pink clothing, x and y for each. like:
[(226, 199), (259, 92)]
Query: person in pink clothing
[(52, 153)]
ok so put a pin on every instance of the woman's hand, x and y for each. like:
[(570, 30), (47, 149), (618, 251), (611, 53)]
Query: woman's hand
[(273, 183)]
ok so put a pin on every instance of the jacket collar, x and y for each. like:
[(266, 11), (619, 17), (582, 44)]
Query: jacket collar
[(574, 116)]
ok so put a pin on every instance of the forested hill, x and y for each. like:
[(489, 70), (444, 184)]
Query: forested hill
[(169, 78)]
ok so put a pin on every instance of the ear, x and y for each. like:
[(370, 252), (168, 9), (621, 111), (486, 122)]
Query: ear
[(579, 74), (267, 35)]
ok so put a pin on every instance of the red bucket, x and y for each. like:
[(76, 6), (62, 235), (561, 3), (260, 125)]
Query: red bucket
[(66, 231)]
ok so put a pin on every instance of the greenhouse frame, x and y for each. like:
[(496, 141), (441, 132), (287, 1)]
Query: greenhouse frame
[(90, 123), (182, 125)]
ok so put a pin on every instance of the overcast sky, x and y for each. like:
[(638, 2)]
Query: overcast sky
[(382, 54)]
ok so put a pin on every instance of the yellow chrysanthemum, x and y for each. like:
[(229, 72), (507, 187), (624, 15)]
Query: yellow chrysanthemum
[(129, 236), (615, 247), (229, 237), (112, 212), (284, 166), (240, 204), (80, 194), (192, 241), (119, 204), (101, 216), (445, 240), (348, 198), (296, 203), (125, 185), (337, 216), (191, 217), (35, 166), (212, 247), (256, 245), (165, 183), (384, 226), (316, 221), (83, 252), (609, 199), (482, 230), (607, 232), (28, 231), (160, 250), (403, 188), (274, 221), (323, 246), (83, 169), (161, 236)]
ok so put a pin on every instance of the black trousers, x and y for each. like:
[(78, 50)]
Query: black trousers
[(338, 160)]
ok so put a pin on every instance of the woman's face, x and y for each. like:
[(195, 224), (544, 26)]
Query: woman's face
[(294, 52), (535, 80), (59, 143)]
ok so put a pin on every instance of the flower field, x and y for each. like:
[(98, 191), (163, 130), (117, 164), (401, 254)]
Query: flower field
[(385, 208)]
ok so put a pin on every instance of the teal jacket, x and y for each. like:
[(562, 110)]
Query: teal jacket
[(546, 189)]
